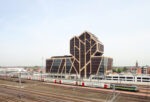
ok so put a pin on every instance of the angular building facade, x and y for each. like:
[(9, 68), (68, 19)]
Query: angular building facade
[(86, 58)]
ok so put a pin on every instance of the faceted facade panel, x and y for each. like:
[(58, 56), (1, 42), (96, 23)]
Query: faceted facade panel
[(93, 49), (88, 37), (87, 46), (77, 53), (68, 65), (77, 42), (76, 65), (92, 42), (82, 37), (100, 47), (82, 55), (73, 71), (110, 63), (95, 61), (88, 57), (48, 65), (103, 66), (72, 46), (56, 65), (82, 73), (88, 70), (62, 65)]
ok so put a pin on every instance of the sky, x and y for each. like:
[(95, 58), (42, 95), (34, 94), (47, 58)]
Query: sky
[(32, 30)]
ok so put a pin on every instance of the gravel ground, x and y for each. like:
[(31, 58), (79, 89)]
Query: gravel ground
[(57, 93)]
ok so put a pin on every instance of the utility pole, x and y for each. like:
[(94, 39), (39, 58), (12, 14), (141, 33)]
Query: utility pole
[(19, 84), (6, 73), (114, 94), (41, 68)]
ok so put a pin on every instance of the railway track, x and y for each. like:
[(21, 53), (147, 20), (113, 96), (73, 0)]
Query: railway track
[(142, 96), (140, 93), (7, 98), (48, 96)]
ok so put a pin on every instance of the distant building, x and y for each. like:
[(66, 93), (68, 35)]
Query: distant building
[(30, 69), (148, 70), (86, 58), (38, 69), (138, 71), (133, 70), (145, 70), (136, 64), (10, 70)]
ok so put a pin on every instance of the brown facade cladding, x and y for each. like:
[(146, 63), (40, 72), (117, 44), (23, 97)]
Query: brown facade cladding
[(86, 59)]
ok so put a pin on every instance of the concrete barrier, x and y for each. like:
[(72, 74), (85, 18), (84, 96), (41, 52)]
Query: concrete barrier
[(55, 81), (82, 83), (59, 81)]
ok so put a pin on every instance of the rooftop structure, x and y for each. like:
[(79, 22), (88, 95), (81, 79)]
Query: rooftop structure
[(12, 69)]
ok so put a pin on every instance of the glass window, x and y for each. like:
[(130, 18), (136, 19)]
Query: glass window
[(56, 65), (68, 65)]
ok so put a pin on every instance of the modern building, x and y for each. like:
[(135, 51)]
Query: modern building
[(86, 58)]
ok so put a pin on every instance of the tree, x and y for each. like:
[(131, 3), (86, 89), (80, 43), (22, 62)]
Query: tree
[(114, 70), (124, 69), (119, 70)]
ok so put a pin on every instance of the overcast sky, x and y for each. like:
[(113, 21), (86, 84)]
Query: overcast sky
[(32, 29)]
